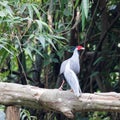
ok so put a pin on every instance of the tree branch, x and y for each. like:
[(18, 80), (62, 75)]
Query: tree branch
[(56, 100), (102, 38)]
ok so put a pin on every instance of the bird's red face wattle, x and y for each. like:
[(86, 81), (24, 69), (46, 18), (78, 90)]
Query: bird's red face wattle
[(80, 47)]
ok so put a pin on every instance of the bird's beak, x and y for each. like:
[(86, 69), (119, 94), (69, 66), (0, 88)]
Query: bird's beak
[(82, 48)]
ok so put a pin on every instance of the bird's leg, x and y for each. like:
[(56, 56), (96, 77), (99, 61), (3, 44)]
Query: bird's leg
[(71, 90), (60, 88)]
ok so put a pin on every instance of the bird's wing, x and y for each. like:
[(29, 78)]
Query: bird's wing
[(63, 65), (75, 65), (72, 80)]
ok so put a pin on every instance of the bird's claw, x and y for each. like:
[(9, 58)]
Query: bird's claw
[(60, 88)]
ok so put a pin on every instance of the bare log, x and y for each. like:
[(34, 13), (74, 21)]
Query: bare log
[(56, 100)]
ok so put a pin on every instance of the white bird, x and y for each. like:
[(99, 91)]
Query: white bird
[(69, 68)]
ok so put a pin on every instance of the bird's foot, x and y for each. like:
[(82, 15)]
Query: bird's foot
[(60, 88), (71, 90)]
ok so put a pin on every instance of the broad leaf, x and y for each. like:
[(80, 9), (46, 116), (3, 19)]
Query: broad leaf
[(85, 7)]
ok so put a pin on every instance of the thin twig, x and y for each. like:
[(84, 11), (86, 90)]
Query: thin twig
[(91, 24)]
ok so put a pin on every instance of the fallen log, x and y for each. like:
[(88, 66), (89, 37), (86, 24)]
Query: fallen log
[(56, 100)]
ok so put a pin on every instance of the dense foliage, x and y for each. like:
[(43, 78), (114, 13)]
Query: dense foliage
[(36, 36)]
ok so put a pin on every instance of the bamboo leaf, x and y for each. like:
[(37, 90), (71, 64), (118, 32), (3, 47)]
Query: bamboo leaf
[(42, 41), (59, 37), (76, 3), (8, 8), (30, 11), (51, 42), (45, 25), (22, 9), (28, 51), (83, 20), (4, 3), (2, 46), (39, 24), (36, 11), (37, 51), (2, 13), (85, 7), (98, 60), (3, 56)]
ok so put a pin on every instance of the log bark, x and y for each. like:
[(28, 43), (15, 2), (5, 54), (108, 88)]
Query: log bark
[(56, 100)]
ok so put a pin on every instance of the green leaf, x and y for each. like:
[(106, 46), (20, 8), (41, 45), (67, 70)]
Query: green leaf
[(76, 3), (67, 12), (3, 75), (85, 7), (51, 42), (31, 36), (22, 9), (36, 11), (2, 46), (58, 37), (83, 20), (94, 74), (37, 51), (8, 8), (39, 24), (2, 13), (4, 3), (30, 11), (46, 25), (55, 60), (41, 40), (28, 51), (5, 44), (3, 55), (98, 60)]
